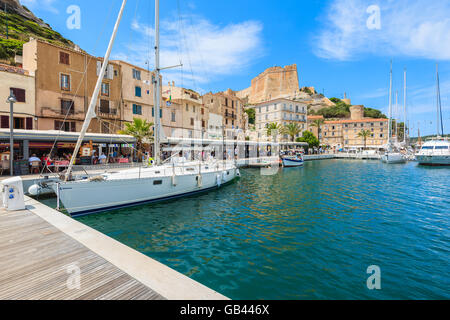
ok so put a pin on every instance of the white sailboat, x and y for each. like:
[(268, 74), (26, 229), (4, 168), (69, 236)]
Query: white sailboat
[(391, 156), (144, 184), (436, 152)]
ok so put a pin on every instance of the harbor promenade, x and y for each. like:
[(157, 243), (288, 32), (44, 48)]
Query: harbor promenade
[(46, 255)]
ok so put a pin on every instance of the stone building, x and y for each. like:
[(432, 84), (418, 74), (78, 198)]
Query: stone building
[(22, 85), (273, 83), (230, 108), (64, 82), (193, 114), (343, 133), (137, 93), (280, 111)]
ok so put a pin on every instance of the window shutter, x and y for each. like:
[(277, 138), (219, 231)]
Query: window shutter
[(110, 73), (5, 122), (29, 123), (19, 94), (99, 67), (73, 126), (57, 125)]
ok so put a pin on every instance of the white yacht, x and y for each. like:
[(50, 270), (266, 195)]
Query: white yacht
[(435, 152), (137, 185)]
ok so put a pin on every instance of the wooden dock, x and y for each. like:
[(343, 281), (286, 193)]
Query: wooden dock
[(38, 261), (46, 255)]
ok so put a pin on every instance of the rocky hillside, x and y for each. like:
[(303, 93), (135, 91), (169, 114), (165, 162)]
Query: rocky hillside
[(23, 24)]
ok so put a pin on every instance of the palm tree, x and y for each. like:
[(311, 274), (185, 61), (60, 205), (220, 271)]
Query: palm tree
[(141, 130), (272, 127), (292, 129), (317, 123), (364, 134)]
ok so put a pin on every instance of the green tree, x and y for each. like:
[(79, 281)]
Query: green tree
[(364, 134), (291, 129), (141, 130), (318, 124), (271, 127), (251, 115), (309, 138)]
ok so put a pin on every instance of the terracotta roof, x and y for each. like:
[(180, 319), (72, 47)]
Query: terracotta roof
[(315, 117), (8, 68), (356, 121)]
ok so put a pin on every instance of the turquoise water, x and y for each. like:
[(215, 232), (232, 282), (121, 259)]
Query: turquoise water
[(305, 233)]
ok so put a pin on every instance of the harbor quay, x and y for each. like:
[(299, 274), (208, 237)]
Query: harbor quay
[(48, 255)]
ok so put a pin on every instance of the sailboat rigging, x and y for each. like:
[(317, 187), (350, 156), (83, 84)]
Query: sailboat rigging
[(135, 186)]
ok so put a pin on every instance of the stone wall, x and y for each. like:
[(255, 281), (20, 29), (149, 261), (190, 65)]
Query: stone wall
[(273, 83)]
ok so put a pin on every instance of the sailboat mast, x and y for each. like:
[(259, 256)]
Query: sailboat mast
[(157, 126), (437, 98), (390, 108), (404, 107), (396, 128), (91, 110)]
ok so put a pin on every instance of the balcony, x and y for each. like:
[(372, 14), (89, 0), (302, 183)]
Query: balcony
[(107, 112)]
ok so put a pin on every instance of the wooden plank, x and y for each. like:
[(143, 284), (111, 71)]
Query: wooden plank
[(34, 257)]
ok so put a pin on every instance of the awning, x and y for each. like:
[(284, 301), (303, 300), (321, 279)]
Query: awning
[(40, 145), (6, 145)]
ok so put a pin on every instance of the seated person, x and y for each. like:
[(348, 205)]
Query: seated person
[(33, 158)]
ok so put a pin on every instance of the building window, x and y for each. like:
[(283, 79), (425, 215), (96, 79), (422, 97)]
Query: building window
[(105, 89), (138, 91), (67, 107), (104, 106), (187, 107), (137, 109), (381, 135), (203, 111), (19, 94), (226, 102), (136, 74), (173, 116), (105, 127), (19, 123), (65, 126), (64, 58), (192, 121), (65, 82)]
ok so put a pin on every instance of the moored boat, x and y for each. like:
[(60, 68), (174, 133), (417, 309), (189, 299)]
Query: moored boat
[(435, 152), (293, 161)]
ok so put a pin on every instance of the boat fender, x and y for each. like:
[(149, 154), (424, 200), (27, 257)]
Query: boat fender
[(174, 180), (34, 190), (218, 180), (199, 180), (224, 176)]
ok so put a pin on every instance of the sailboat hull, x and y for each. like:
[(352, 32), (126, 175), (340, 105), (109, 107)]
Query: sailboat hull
[(393, 158), (87, 197)]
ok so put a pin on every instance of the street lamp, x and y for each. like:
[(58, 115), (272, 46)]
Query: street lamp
[(11, 100)]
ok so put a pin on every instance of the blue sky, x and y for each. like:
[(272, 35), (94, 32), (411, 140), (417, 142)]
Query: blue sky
[(224, 44)]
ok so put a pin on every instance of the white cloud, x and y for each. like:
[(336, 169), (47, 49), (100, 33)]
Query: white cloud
[(41, 4), (207, 51), (416, 28)]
